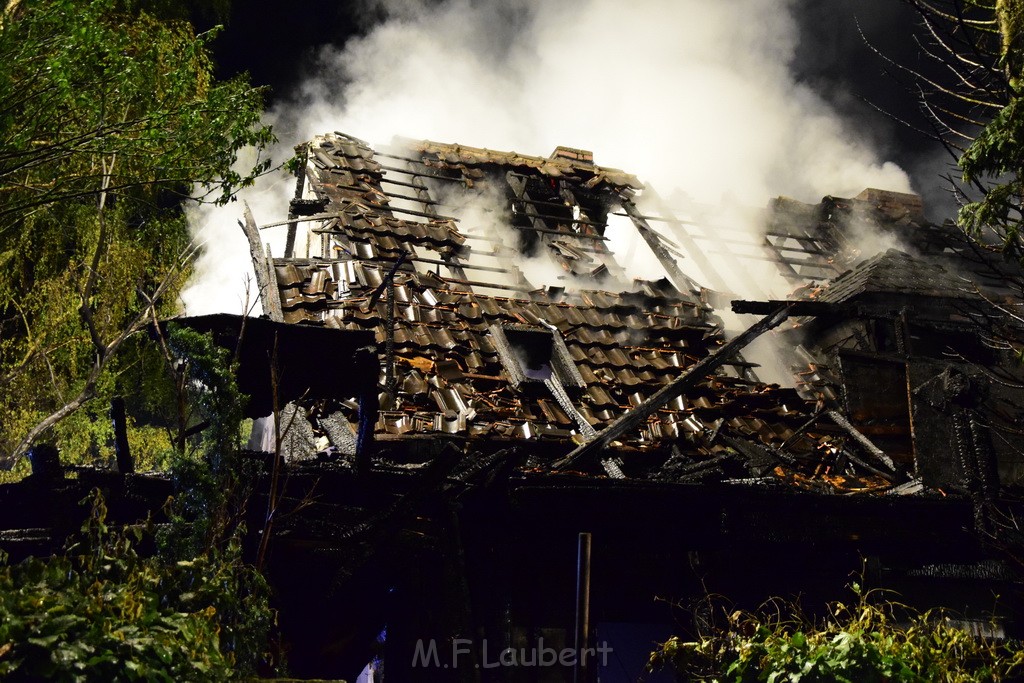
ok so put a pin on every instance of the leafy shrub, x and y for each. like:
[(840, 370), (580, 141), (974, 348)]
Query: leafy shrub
[(102, 612), (859, 643)]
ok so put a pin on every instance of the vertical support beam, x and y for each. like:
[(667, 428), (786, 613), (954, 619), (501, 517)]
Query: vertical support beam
[(263, 267), (369, 406), (581, 642), (300, 185)]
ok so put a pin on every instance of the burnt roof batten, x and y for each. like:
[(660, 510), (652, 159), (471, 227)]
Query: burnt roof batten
[(682, 282), (677, 387), (688, 243)]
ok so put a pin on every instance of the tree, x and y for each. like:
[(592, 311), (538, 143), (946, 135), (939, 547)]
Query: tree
[(969, 89), (110, 120), (994, 161)]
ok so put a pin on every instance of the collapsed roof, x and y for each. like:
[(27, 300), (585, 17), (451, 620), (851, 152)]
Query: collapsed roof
[(502, 316)]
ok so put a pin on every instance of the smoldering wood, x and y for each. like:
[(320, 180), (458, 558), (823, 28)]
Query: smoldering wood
[(864, 441)]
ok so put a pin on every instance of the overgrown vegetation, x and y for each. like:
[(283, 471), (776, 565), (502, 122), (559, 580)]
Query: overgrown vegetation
[(190, 608), (103, 612), (871, 639), (111, 122)]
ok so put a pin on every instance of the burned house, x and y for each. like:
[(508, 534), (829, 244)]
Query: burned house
[(536, 429), (496, 438)]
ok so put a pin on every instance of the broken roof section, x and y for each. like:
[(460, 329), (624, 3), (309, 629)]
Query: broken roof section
[(474, 345), (501, 314), (895, 272)]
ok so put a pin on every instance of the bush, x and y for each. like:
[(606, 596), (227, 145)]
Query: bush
[(858, 643), (102, 612)]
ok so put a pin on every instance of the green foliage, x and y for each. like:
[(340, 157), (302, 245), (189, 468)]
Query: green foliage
[(858, 643), (214, 387), (211, 480), (997, 154), (103, 613), (194, 610), (212, 486), (109, 119)]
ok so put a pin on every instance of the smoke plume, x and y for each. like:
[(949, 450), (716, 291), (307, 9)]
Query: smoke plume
[(699, 99)]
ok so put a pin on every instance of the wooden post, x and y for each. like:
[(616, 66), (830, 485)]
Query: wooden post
[(582, 639), (125, 465), (263, 267)]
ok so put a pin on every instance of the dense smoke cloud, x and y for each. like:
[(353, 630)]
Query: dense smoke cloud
[(699, 99)]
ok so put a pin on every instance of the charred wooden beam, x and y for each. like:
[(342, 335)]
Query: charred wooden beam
[(864, 441), (799, 308), (653, 240), (336, 214), (581, 640), (397, 182), (263, 267), (435, 176), (367, 368), (696, 253), (825, 268), (492, 285), (563, 233), (697, 372), (300, 185)]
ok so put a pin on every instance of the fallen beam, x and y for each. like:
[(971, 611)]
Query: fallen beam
[(682, 282), (864, 441), (799, 308), (697, 372)]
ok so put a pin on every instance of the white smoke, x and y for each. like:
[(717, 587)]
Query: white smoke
[(693, 96)]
